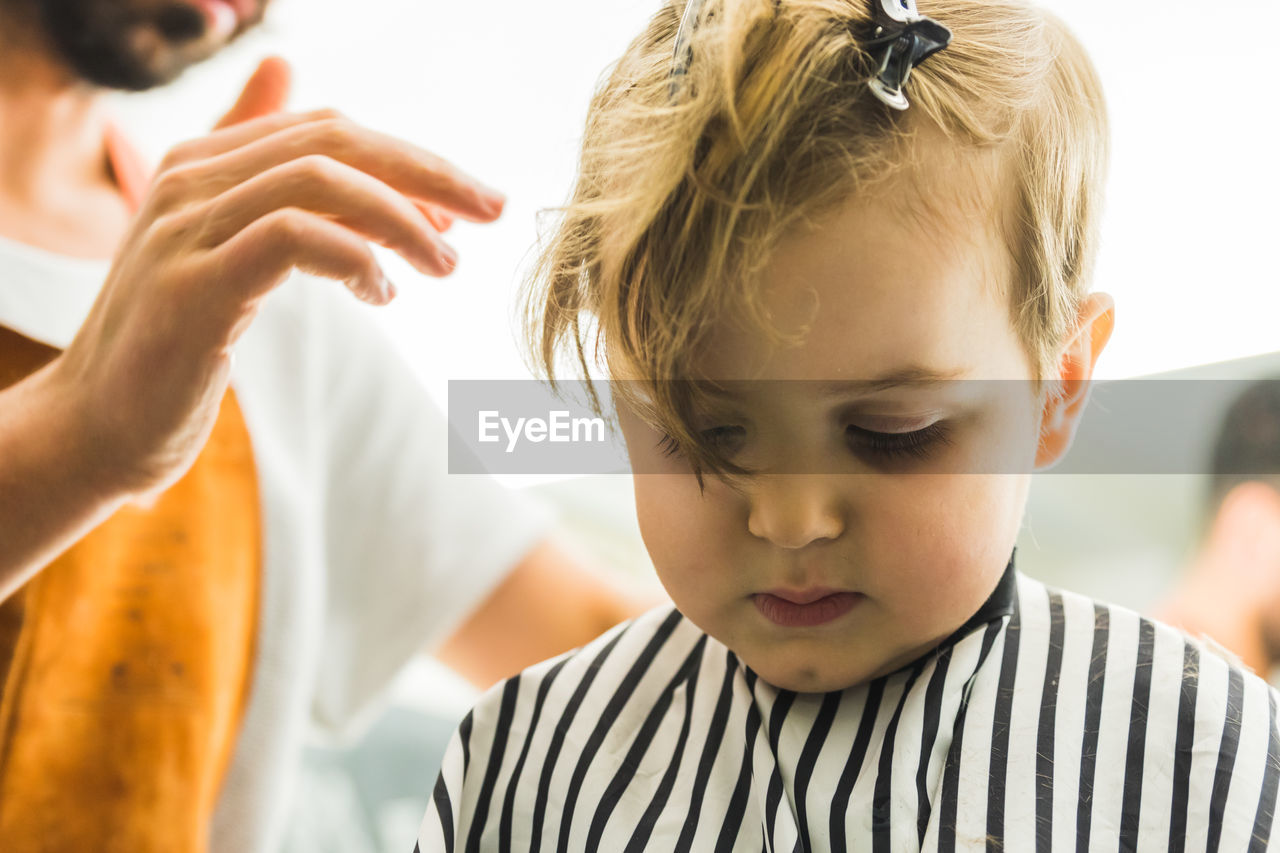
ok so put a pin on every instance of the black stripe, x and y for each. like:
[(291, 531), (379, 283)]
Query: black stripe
[(882, 798), (1184, 748), (557, 741), (777, 716), (1000, 732), (737, 811), (464, 732), (445, 810), (1135, 758), (710, 748), (1226, 757), (635, 753), (687, 675), (608, 717), (932, 716), (949, 810), (813, 745), (1047, 729), (1092, 724), (853, 766), (658, 804), (496, 753), (509, 801), (1267, 800)]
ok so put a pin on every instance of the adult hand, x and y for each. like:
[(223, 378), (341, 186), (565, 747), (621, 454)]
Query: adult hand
[(227, 218)]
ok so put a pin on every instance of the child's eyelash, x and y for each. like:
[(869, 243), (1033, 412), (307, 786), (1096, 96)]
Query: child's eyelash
[(897, 445), (890, 445), (715, 435)]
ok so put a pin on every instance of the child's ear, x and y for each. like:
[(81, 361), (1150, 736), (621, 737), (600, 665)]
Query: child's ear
[(1066, 397)]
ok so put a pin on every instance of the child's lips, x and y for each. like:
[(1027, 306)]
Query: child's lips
[(804, 608), (803, 596)]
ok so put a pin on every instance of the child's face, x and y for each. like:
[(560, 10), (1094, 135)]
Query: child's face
[(901, 551)]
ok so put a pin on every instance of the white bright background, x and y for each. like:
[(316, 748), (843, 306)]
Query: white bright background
[(501, 88)]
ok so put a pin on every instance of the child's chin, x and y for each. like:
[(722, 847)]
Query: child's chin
[(808, 677)]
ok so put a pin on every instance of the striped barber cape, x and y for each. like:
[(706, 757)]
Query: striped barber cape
[(1047, 722)]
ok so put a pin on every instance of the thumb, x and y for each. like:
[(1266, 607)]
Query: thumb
[(265, 92)]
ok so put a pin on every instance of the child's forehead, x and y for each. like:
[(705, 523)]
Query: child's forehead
[(950, 183), (914, 273)]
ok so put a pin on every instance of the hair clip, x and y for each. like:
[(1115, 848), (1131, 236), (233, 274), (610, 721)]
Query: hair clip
[(683, 53), (908, 38)]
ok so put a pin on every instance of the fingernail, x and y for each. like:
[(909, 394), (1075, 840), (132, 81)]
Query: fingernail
[(386, 290), (493, 201), (448, 257)]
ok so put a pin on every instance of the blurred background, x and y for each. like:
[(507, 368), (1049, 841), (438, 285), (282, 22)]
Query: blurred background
[(501, 89)]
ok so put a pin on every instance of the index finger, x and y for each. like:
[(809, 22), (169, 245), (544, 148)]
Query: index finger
[(413, 172)]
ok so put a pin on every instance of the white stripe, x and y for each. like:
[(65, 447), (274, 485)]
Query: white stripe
[(1251, 760), (1024, 722), (724, 773), (1162, 736), (831, 762), (710, 680), (1211, 710), (975, 760), (517, 728), (964, 660), (858, 835), (1113, 743), (903, 809), (1275, 806), (1073, 688)]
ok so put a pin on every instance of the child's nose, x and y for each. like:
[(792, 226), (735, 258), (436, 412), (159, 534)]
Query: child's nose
[(793, 510)]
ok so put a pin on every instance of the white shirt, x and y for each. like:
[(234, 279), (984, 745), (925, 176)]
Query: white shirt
[(372, 551), (1049, 722)]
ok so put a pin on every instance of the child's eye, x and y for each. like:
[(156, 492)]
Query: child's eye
[(726, 439), (918, 444), (899, 445)]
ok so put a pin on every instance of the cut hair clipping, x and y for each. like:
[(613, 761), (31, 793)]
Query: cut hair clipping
[(907, 38)]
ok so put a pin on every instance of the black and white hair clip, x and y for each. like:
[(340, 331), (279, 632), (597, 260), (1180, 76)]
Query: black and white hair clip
[(906, 38)]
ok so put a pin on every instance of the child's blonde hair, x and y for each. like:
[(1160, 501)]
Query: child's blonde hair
[(687, 183)]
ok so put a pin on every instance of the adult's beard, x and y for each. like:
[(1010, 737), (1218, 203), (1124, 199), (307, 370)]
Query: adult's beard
[(98, 39)]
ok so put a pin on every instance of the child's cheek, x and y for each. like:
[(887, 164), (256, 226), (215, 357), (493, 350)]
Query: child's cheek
[(689, 537), (951, 537)]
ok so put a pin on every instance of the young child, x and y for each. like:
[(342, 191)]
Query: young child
[(797, 266)]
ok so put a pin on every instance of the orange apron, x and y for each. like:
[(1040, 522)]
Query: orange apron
[(125, 663)]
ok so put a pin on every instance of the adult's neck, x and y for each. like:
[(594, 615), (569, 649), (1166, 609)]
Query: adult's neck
[(56, 187)]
